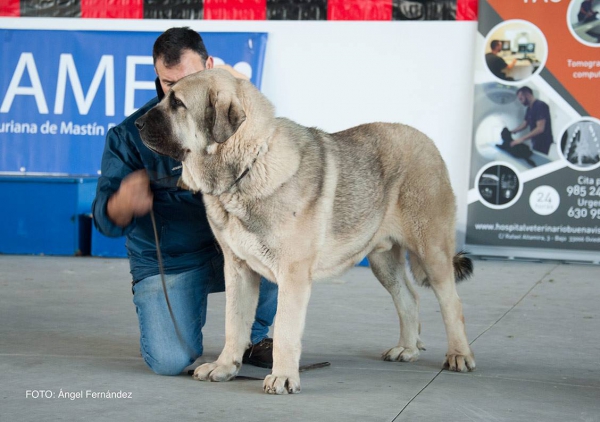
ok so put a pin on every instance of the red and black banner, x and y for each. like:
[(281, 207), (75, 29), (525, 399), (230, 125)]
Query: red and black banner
[(357, 10)]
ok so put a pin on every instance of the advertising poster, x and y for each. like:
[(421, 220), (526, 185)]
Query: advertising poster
[(534, 188), (61, 91)]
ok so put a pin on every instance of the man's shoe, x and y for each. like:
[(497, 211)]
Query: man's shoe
[(260, 354)]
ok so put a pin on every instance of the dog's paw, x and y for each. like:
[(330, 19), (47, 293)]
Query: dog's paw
[(281, 384), (459, 363), (215, 372), (401, 354)]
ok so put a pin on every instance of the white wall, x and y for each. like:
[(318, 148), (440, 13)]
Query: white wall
[(335, 75)]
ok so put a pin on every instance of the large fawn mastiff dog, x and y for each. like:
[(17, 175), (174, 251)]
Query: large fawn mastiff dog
[(296, 204)]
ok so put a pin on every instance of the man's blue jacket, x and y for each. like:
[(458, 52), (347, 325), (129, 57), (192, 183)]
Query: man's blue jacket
[(186, 239)]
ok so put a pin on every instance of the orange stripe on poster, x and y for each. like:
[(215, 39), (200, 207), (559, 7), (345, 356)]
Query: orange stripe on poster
[(566, 51)]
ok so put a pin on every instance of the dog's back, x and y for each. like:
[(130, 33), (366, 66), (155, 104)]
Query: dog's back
[(370, 185)]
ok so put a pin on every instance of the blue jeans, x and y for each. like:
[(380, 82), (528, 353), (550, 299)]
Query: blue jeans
[(188, 291)]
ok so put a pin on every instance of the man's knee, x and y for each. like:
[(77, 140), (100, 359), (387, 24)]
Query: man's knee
[(172, 365), (169, 361)]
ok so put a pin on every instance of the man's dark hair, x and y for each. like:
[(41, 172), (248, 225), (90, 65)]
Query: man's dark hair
[(172, 43), (494, 44), (525, 89)]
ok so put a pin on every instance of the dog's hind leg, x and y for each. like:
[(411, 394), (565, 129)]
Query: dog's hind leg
[(438, 265), (390, 269)]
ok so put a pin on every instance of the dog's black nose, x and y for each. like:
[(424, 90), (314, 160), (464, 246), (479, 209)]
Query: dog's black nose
[(139, 123)]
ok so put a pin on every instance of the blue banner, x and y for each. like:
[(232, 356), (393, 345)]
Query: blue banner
[(60, 91)]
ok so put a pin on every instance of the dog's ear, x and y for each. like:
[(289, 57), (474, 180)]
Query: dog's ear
[(228, 115)]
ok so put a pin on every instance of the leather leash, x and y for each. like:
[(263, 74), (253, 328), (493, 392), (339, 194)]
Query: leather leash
[(164, 285), (302, 368)]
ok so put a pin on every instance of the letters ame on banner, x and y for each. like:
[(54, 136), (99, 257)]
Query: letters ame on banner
[(536, 195), (61, 91)]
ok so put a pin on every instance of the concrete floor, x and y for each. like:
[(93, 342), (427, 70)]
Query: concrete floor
[(68, 324)]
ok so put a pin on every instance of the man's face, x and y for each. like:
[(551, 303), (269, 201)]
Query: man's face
[(190, 62), (523, 99)]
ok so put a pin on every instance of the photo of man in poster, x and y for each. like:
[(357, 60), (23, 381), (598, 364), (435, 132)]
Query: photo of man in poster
[(497, 65), (537, 118), (499, 111)]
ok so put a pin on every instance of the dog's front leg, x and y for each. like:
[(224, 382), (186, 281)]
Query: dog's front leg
[(241, 295), (292, 302)]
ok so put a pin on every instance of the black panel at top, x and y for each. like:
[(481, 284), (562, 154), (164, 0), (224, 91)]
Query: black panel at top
[(429, 10), (51, 8), (297, 10), (173, 9)]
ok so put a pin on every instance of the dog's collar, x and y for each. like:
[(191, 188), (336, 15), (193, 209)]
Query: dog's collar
[(245, 172)]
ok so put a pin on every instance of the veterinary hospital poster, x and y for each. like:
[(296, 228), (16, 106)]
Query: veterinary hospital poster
[(537, 70), (61, 91)]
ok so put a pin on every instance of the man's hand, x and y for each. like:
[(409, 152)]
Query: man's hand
[(133, 199), (517, 142)]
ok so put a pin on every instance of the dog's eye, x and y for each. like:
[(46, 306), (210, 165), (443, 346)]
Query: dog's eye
[(176, 102)]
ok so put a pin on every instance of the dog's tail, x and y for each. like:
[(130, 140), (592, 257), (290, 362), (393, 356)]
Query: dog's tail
[(462, 264)]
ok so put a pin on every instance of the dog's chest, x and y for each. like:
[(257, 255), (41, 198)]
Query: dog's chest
[(242, 228), (249, 246)]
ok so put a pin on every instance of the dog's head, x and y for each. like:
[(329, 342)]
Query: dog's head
[(214, 124), (506, 137), (199, 110)]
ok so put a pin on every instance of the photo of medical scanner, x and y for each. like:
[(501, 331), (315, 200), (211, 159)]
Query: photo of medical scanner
[(580, 145), (497, 108), (498, 185), (584, 19)]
